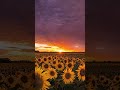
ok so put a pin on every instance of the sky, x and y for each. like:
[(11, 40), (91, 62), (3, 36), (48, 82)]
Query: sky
[(102, 30), (60, 25), (17, 29)]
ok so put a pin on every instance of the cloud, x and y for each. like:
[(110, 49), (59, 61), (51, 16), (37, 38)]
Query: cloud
[(6, 45), (3, 52), (16, 50), (49, 48), (27, 50), (60, 21)]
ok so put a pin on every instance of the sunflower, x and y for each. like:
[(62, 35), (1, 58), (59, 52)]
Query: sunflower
[(68, 76), (54, 62), (70, 65), (18, 85), (11, 81), (60, 66), (116, 79), (58, 60), (82, 63), (18, 74), (29, 88), (45, 60), (90, 78), (32, 75), (65, 61), (39, 60), (2, 78), (20, 88), (66, 58), (77, 59), (83, 59), (74, 60), (41, 78), (81, 73), (45, 66), (69, 60), (106, 83), (102, 79), (52, 73), (90, 87), (49, 58), (114, 87), (2, 88), (91, 82), (62, 61), (36, 64), (24, 80)]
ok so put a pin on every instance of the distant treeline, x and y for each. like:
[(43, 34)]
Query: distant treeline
[(7, 60), (102, 61), (58, 52)]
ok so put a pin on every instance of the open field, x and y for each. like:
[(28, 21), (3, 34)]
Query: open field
[(17, 76), (103, 75), (103, 67), (99, 75), (68, 69)]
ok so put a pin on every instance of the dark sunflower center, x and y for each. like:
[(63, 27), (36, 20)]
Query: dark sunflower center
[(49, 58), (101, 78), (93, 82), (17, 85), (69, 60), (10, 80), (38, 82), (52, 73), (106, 82), (54, 62), (39, 60), (45, 59), (67, 75), (69, 65), (65, 61), (82, 72), (59, 65), (0, 78), (24, 79), (117, 78), (46, 65)]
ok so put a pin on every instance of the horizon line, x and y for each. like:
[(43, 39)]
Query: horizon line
[(58, 52)]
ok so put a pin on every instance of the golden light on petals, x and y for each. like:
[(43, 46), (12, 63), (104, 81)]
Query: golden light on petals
[(41, 79), (81, 73), (52, 73), (68, 76), (60, 66)]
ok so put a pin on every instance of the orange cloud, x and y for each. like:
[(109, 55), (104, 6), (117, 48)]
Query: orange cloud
[(49, 48)]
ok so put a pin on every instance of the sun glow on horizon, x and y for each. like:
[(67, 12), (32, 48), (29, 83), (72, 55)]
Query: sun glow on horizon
[(50, 48)]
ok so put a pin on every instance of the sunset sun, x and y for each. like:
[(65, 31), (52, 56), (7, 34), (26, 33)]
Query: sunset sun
[(50, 48)]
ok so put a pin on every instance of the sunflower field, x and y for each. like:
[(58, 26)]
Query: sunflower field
[(59, 72), (102, 76), (17, 76), (102, 82)]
